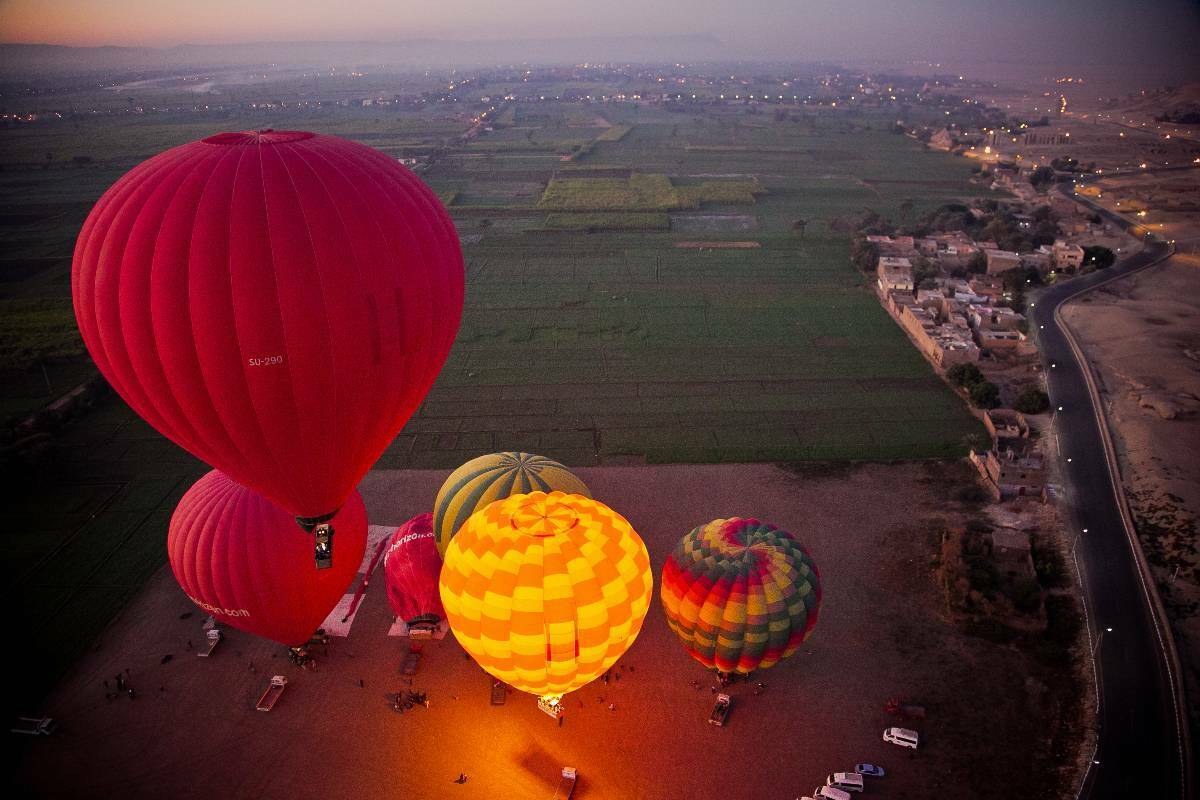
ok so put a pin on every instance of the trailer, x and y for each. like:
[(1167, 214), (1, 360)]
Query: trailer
[(412, 662), (34, 726), (566, 783), (274, 691), (720, 710), (211, 640)]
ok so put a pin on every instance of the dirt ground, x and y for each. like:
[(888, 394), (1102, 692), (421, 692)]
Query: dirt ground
[(192, 730), (1143, 333)]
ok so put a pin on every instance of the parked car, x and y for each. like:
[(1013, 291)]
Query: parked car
[(846, 781), (902, 737), (830, 793), (871, 770)]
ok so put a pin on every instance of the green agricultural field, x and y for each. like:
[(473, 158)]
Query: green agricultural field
[(632, 221), (642, 192)]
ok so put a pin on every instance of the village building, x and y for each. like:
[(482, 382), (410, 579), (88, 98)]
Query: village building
[(1011, 552), (945, 344), (1067, 256), (994, 318), (1005, 423), (1017, 470), (999, 261), (894, 273), (998, 341), (988, 287)]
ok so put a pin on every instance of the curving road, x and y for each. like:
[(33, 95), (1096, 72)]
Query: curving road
[(1142, 748)]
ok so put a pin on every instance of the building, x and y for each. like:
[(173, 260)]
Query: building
[(894, 245), (1015, 471), (994, 318), (1067, 256), (1005, 423), (894, 274), (1011, 552), (999, 261), (992, 288), (945, 344), (943, 140), (1005, 342), (1041, 259)]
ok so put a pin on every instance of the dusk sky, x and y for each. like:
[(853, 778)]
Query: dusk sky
[(1080, 31)]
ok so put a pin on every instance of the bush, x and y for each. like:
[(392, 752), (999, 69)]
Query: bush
[(984, 394), (977, 263), (1032, 401), (1049, 565), (1026, 595), (964, 375), (1098, 257), (864, 255)]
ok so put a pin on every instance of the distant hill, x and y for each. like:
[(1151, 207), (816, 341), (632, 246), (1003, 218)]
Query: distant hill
[(17, 59)]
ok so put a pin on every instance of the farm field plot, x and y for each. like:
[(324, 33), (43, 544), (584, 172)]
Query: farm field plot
[(600, 338), (605, 343)]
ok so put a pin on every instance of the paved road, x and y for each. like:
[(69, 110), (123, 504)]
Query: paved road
[(1140, 748)]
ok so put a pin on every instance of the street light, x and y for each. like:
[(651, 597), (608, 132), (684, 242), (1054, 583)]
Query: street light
[(1099, 641)]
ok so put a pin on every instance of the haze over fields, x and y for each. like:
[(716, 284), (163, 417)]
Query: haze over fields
[(1133, 42)]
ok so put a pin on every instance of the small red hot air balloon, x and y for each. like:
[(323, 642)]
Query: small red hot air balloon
[(411, 566), (242, 559), (277, 303)]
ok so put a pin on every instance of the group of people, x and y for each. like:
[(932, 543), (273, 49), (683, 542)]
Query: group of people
[(122, 687), (405, 699)]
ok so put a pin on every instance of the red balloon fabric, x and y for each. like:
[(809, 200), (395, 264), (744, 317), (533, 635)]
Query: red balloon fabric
[(411, 566), (278, 303), (243, 559)]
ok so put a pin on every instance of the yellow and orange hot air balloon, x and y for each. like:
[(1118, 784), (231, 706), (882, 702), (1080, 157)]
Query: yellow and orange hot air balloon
[(546, 591)]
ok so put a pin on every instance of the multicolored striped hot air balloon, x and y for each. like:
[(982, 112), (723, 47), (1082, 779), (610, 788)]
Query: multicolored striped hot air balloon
[(740, 594), (546, 591), (493, 477)]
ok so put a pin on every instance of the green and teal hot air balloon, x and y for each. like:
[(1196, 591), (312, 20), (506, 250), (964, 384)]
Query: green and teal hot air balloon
[(496, 476)]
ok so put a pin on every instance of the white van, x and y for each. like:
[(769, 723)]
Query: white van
[(846, 781), (829, 793), (902, 736)]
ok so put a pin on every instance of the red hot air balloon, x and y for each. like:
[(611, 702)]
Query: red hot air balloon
[(242, 559), (412, 565), (277, 303)]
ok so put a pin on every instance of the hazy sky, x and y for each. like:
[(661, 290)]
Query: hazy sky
[(986, 30)]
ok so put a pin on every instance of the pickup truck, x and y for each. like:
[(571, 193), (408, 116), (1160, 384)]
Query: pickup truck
[(720, 710), (499, 692), (211, 640), (271, 696), (566, 783), (412, 662)]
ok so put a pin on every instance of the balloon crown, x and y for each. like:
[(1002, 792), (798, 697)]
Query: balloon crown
[(264, 136)]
